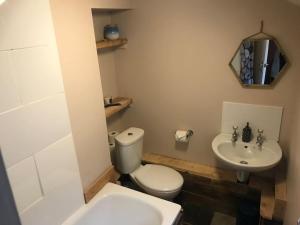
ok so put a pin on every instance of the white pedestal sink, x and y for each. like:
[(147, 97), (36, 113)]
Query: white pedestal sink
[(246, 157)]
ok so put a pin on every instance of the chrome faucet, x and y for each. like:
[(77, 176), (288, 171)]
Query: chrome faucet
[(235, 134), (260, 138)]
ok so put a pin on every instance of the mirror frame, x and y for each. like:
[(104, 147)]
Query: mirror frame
[(278, 77)]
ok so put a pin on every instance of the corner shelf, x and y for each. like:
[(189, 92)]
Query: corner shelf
[(105, 44), (125, 102)]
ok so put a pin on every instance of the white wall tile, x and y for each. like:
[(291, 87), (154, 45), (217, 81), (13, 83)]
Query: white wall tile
[(37, 73), (263, 117), (6, 40), (25, 23), (8, 92), (59, 174), (25, 184), (57, 165), (28, 130), (40, 126), (5, 36)]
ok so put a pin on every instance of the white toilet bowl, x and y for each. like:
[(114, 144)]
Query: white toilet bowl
[(159, 181)]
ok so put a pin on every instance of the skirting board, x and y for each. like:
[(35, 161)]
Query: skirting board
[(109, 175)]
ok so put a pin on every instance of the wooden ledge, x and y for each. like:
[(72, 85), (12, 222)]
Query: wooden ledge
[(273, 194), (267, 199), (280, 192), (104, 44), (109, 175), (190, 167), (125, 102)]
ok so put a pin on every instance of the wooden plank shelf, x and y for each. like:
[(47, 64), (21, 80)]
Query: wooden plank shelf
[(273, 193), (190, 167), (111, 110), (105, 44)]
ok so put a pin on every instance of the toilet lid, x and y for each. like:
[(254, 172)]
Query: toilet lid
[(159, 178)]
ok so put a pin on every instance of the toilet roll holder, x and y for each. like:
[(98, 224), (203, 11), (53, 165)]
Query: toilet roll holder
[(190, 133), (186, 138)]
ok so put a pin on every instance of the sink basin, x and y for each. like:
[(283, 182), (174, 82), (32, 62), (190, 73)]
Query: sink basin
[(247, 156)]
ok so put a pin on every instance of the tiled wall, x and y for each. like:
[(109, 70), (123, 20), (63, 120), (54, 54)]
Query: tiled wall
[(263, 117), (35, 134)]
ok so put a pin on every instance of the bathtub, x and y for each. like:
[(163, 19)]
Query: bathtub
[(117, 205)]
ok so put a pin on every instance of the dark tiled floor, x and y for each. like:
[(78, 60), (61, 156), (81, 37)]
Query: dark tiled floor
[(202, 210), (221, 198), (195, 213), (208, 203), (267, 222), (223, 219), (126, 182)]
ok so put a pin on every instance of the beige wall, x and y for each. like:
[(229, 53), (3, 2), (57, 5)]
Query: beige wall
[(78, 57), (172, 74), (106, 58), (176, 67), (293, 210)]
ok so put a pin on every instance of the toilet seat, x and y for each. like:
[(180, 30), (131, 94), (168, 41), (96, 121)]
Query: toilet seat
[(160, 179)]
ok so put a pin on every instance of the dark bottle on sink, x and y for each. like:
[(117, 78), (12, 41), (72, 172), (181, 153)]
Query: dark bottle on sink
[(247, 134)]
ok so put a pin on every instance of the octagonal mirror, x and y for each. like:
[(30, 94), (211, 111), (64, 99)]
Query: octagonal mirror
[(258, 62)]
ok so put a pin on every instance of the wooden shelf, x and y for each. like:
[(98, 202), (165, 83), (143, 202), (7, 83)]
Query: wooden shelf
[(104, 44), (125, 102)]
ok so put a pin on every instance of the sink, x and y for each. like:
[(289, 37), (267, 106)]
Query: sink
[(248, 157)]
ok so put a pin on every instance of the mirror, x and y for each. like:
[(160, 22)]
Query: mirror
[(258, 62)]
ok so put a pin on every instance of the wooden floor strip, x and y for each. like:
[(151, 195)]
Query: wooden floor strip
[(280, 192), (190, 167), (273, 196), (110, 175)]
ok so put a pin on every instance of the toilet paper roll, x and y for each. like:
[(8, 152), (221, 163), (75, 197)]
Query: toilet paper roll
[(112, 149), (181, 136), (111, 137)]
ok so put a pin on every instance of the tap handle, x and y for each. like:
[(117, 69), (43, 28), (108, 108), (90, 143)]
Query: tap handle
[(260, 131), (235, 128)]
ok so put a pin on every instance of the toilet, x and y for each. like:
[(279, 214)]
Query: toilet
[(156, 180)]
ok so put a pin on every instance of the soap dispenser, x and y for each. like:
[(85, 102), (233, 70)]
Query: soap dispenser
[(247, 134)]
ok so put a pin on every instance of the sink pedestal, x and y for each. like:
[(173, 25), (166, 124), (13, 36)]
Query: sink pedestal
[(242, 176)]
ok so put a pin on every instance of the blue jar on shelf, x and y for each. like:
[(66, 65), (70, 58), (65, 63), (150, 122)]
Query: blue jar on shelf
[(111, 32)]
